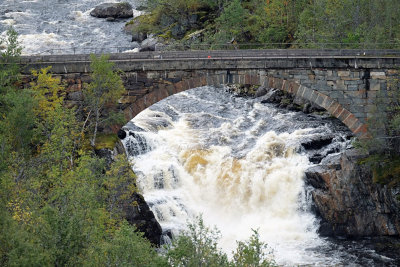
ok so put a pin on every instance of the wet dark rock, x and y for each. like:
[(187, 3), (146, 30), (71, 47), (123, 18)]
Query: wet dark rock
[(137, 145), (114, 10), (121, 134), (272, 96), (317, 142), (316, 158), (140, 215), (261, 91), (347, 200)]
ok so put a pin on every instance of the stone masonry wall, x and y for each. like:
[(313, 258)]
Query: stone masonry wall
[(349, 94)]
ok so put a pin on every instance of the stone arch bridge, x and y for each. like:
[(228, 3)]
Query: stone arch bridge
[(347, 83)]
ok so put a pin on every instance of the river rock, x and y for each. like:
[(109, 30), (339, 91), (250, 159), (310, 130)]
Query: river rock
[(133, 28), (261, 91), (143, 218), (121, 134), (272, 96), (347, 200), (114, 10), (149, 44)]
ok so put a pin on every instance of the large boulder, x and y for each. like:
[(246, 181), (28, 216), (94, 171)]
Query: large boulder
[(113, 10), (133, 28), (347, 200), (149, 44)]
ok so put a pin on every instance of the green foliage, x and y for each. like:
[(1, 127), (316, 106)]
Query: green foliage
[(281, 23), (372, 23), (253, 253), (57, 201), (106, 141), (101, 95), (197, 247), (126, 248), (9, 69)]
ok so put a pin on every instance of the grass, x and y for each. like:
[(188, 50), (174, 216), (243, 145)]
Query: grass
[(106, 141)]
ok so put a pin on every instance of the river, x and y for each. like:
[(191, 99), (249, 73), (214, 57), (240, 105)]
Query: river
[(57, 26), (236, 161), (240, 164)]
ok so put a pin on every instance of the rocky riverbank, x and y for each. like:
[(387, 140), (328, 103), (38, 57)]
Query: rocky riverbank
[(135, 209), (346, 199)]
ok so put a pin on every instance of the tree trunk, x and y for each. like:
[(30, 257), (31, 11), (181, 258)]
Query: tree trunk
[(95, 128)]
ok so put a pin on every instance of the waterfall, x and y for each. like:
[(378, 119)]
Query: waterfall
[(237, 162)]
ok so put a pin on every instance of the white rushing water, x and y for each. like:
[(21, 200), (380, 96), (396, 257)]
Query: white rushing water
[(236, 162), (60, 25)]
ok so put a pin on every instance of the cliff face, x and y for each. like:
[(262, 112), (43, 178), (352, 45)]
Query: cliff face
[(349, 202), (135, 209)]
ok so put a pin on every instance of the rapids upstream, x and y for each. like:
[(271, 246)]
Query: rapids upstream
[(58, 26), (240, 164)]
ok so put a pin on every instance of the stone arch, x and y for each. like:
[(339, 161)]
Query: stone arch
[(167, 88)]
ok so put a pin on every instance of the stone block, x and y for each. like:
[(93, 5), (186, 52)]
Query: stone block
[(378, 75), (314, 96), (127, 99), (327, 102), (319, 72), (320, 100), (354, 81), (350, 120), (352, 87), (255, 79), (374, 85), (340, 85), (153, 75), (333, 107), (356, 74), (307, 93), (355, 126), (293, 87), (300, 91), (362, 129), (343, 73), (337, 111), (265, 82)]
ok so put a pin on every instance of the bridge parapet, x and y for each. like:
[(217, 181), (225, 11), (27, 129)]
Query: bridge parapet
[(346, 83)]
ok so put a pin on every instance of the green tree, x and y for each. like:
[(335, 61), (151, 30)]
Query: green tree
[(127, 247), (197, 247), (252, 253), (9, 69), (102, 94), (231, 23)]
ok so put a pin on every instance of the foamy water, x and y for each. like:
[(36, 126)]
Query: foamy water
[(236, 162), (57, 26)]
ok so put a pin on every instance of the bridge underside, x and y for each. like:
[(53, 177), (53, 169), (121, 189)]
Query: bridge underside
[(140, 100)]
